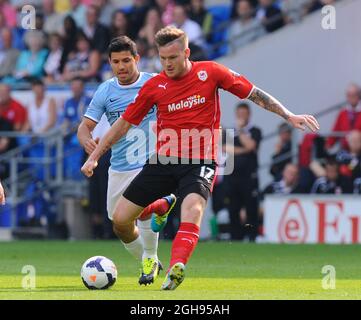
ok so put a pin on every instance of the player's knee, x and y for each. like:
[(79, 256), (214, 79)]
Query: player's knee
[(119, 220), (196, 210)]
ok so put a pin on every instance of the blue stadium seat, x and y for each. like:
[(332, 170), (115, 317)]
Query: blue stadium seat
[(41, 204), (221, 15), (5, 215), (38, 151), (29, 210), (73, 159)]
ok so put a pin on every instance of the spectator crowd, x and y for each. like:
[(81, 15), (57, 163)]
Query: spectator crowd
[(71, 36)]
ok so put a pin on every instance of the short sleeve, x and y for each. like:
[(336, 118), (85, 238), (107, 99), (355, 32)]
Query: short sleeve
[(141, 105), (96, 106), (231, 81)]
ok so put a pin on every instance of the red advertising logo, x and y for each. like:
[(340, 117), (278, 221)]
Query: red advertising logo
[(331, 225), (293, 226), (324, 224)]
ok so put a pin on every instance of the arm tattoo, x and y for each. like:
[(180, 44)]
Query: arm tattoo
[(269, 103)]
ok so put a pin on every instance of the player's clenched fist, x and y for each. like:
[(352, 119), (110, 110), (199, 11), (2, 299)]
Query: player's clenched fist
[(88, 167), (90, 145)]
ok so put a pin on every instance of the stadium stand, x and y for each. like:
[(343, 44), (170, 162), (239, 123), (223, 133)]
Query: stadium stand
[(42, 165)]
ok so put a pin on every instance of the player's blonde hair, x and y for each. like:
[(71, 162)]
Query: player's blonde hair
[(169, 35)]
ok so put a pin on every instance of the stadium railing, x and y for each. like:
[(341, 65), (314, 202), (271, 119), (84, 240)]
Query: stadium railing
[(42, 172)]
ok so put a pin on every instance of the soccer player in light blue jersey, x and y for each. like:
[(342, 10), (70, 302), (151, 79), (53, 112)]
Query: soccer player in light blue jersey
[(130, 153)]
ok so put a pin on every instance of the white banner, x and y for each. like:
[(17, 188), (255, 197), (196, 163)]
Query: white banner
[(312, 219)]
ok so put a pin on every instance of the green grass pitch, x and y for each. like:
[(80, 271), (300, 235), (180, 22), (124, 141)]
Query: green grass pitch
[(217, 270)]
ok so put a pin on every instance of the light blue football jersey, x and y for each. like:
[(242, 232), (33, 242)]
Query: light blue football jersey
[(131, 151)]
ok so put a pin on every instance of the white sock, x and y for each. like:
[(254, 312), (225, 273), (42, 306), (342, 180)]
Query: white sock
[(149, 238), (135, 248)]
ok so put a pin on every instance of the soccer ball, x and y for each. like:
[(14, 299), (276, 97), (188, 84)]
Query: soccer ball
[(98, 273)]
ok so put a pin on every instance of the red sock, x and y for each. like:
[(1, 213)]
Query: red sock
[(184, 243), (159, 206)]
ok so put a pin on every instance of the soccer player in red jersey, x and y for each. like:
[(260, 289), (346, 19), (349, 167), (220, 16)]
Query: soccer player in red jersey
[(188, 120)]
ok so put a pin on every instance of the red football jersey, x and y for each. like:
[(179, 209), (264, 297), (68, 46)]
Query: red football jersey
[(188, 109)]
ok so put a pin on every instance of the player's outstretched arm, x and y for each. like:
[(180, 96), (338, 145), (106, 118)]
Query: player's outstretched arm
[(270, 103), (2, 195), (116, 131)]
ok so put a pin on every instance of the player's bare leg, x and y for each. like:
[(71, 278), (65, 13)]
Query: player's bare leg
[(125, 214), (124, 227), (146, 245), (185, 240)]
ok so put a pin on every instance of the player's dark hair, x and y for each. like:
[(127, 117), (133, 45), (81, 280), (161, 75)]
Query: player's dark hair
[(169, 35), (243, 105), (122, 43)]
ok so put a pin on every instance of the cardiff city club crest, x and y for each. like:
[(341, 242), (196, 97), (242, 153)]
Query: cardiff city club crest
[(202, 75)]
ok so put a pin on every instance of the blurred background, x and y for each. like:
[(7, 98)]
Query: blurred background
[(288, 187)]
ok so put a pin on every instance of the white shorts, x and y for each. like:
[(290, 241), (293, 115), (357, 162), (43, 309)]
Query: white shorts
[(117, 183)]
